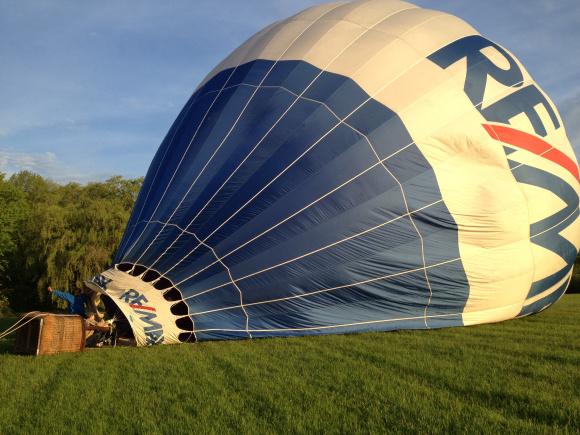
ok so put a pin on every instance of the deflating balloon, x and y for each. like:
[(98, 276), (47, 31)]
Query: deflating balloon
[(356, 167)]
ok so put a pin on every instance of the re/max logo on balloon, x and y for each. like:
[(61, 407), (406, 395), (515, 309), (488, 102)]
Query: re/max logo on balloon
[(148, 315), (524, 100), (479, 68)]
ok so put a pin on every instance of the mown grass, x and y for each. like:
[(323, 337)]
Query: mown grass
[(516, 376)]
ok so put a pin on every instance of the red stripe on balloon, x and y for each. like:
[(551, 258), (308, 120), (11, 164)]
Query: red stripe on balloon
[(534, 144), (142, 307)]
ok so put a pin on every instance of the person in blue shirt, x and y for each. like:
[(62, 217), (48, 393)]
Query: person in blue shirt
[(76, 302)]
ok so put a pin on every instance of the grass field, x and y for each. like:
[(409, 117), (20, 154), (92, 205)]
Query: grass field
[(517, 376)]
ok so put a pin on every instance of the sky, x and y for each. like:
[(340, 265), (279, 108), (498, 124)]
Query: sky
[(89, 89)]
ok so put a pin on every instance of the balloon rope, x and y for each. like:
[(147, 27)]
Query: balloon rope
[(15, 328)]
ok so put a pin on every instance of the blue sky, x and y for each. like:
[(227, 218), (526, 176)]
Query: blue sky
[(89, 89)]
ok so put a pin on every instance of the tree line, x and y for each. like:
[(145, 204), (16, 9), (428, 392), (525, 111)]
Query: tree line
[(58, 235)]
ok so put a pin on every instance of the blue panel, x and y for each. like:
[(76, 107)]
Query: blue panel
[(546, 301), (383, 128), (217, 82), (343, 264), (266, 107), (314, 123), (294, 76), (250, 73), (232, 319), (340, 95), (416, 176), (323, 223), (228, 294), (328, 181), (545, 232)]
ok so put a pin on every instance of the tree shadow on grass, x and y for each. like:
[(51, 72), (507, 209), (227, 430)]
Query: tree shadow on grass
[(6, 346)]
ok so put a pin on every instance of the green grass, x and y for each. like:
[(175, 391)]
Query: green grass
[(516, 376)]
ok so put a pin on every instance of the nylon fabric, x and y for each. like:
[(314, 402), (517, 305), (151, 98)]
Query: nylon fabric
[(363, 166)]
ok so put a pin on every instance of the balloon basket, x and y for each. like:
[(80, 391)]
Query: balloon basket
[(50, 334)]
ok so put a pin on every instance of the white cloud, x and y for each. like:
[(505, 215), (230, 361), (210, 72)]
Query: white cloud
[(41, 163), (45, 164)]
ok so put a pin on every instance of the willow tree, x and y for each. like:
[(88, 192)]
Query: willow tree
[(67, 234)]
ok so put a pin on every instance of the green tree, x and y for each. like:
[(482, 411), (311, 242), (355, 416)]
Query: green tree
[(62, 234), (12, 213)]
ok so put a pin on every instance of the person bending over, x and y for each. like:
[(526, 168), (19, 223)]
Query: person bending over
[(76, 302)]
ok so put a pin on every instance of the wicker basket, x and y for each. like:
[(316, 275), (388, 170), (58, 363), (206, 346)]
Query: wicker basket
[(49, 334)]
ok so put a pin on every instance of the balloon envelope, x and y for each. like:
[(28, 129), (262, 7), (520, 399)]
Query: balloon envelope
[(358, 166)]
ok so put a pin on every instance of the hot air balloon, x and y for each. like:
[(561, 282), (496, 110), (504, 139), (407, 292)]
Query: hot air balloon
[(363, 166)]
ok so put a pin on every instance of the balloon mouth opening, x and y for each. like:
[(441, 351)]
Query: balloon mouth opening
[(122, 325), (170, 293)]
